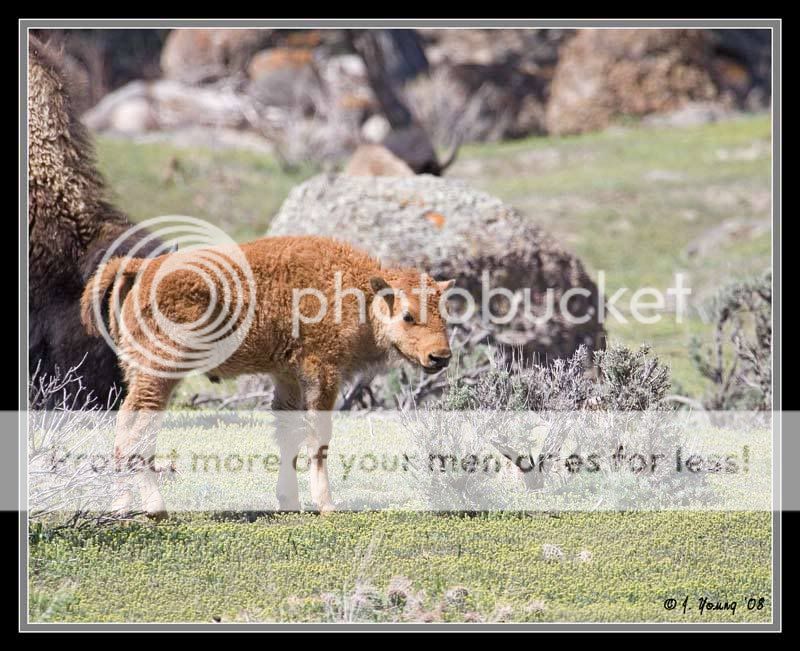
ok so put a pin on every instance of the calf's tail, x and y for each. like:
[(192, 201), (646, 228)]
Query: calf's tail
[(117, 274)]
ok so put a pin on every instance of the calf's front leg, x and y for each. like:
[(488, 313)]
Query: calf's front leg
[(286, 404)]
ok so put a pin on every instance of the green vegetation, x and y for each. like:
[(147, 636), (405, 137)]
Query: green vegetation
[(644, 204), (285, 568), (239, 191)]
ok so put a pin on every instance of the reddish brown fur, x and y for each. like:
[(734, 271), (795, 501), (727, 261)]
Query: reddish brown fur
[(308, 370)]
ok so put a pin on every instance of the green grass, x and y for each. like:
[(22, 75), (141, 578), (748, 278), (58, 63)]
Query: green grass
[(199, 566), (628, 202), (239, 191), (280, 568)]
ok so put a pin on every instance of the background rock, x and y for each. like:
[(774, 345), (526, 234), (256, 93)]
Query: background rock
[(285, 77), (689, 115), (536, 47), (376, 160), (197, 55), (164, 104), (375, 129), (307, 92), (603, 74), (505, 73), (279, 58)]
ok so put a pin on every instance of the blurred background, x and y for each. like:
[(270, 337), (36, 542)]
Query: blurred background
[(314, 94), (645, 153)]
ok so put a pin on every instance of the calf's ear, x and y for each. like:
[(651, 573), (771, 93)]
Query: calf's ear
[(444, 285), (383, 289)]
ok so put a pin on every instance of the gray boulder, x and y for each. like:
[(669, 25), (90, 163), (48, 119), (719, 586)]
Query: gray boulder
[(453, 231)]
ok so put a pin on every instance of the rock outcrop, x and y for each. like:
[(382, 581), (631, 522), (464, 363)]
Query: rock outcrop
[(198, 55), (604, 74)]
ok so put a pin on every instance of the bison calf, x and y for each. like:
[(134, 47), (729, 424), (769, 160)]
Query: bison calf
[(309, 311)]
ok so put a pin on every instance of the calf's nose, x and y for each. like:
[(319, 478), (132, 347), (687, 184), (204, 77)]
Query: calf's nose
[(440, 358)]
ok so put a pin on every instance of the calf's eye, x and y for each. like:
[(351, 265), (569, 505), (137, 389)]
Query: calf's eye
[(408, 318)]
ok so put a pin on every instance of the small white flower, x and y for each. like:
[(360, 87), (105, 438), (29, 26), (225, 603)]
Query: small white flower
[(536, 607), (502, 614), (552, 552)]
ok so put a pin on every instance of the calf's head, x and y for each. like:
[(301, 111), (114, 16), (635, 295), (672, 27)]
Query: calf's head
[(408, 306)]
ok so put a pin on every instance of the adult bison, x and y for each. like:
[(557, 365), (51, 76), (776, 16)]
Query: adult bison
[(70, 226)]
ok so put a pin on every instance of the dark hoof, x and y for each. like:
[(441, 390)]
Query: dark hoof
[(157, 516)]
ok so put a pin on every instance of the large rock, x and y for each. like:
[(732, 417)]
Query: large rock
[(197, 55), (453, 231), (500, 78), (166, 104), (286, 77), (606, 73)]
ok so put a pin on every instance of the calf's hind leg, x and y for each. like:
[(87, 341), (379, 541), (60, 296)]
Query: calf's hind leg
[(135, 444), (320, 387)]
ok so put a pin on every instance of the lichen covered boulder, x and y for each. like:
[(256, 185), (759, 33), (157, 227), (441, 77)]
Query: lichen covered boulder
[(603, 74), (453, 231)]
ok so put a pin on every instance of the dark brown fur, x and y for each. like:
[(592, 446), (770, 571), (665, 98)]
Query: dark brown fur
[(413, 146), (70, 225)]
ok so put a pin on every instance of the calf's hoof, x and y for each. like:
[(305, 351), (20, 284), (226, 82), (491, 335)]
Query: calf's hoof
[(153, 506), (288, 505), (157, 516)]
